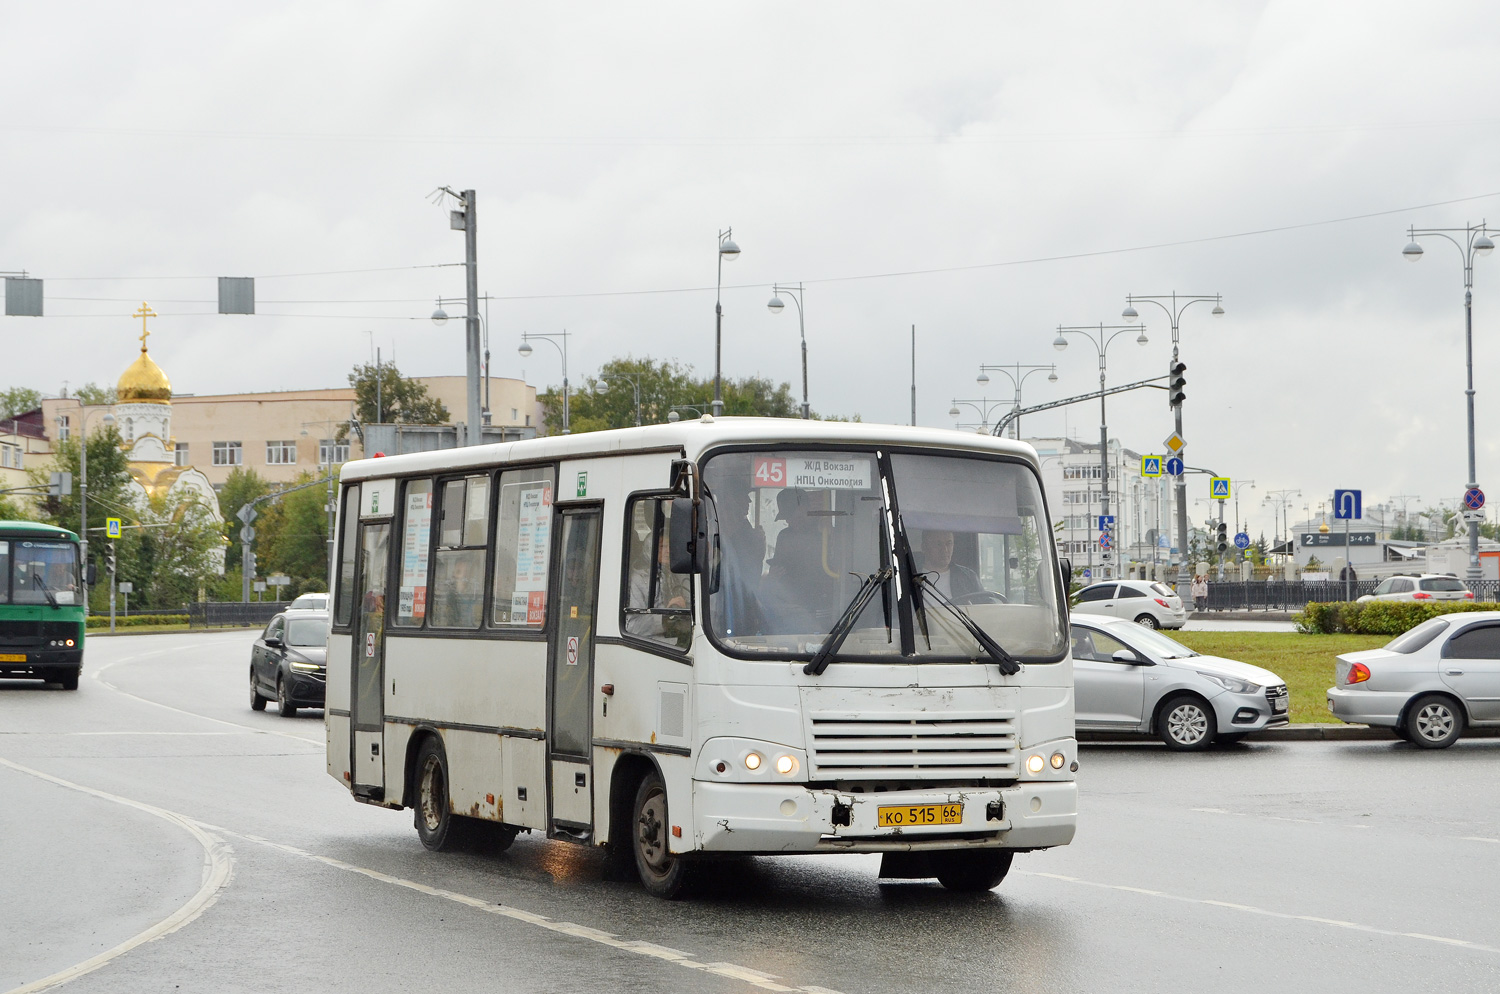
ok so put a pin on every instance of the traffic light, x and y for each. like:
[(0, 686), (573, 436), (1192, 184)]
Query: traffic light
[(1176, 382), (1221, 542), (110, 558), (249, 564)]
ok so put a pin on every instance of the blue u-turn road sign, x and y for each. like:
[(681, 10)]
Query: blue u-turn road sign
[(1347, 504)]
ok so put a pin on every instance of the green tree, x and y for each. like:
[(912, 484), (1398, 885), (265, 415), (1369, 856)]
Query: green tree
[(109, 482), (240, 488), (402, 401), (292, 537), (174, 554), (663, 385), (91, 394), (18, 400)]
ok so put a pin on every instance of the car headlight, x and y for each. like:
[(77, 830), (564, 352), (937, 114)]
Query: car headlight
[(1231, 684), (305, 667)]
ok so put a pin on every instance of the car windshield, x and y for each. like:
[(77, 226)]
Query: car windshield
[(798, 532), (1443, 584), (1153, 642), (1418, 636), (306, 631), (41, 572)]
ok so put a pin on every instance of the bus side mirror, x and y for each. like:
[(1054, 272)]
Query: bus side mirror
[(91, 575), (1066, 565), (683, 546), (681, 478)]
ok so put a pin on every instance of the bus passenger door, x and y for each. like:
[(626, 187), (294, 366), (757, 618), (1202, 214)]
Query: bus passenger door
[(366, 698), (570, 669)]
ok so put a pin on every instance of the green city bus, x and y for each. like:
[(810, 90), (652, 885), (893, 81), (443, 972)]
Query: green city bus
[(42, 613)]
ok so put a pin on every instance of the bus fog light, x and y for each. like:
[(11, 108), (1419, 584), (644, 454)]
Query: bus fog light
[(786, 765), (1036, 804), (752, 761), (1034, 764), (788, 807), (1058, 759)]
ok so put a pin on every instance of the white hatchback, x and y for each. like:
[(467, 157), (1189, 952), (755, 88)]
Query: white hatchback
[(1145, 602)]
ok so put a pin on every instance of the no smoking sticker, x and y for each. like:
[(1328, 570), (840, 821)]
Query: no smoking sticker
[(572, 650)]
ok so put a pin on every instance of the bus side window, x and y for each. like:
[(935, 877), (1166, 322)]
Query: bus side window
[(523, 529), (416, 540), (344, 599), (657, 603), (458, 573)]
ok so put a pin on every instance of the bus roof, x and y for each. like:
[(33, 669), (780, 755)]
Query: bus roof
[(691, 438), (34, 529)]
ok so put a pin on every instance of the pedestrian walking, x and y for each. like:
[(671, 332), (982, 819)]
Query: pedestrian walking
[(1200, 593)]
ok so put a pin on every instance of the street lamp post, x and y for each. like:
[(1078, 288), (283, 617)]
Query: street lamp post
[(674, 414), (983, 405), (440, 318), (727, 250), (525, 350), (1101, 342), (775, 306), (1476, 242), (1282, 497), (1015, 374), (603, 384), (83, 489), (1173, 304)]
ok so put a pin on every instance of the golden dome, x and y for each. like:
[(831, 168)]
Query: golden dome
[(144, 383)]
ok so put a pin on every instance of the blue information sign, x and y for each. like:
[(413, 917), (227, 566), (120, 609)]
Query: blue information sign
[(1242, 541)]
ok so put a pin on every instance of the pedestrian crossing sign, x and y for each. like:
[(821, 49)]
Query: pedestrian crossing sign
[(112, 527), (1150, 465), (1218, 487)]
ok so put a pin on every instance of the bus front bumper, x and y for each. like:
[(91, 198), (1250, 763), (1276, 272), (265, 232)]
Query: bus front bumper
[(791, 818)]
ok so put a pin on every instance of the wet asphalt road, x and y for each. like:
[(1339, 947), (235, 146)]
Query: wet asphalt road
[(1310, 866)]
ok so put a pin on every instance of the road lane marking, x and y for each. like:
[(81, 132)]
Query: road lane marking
[(1477, 838), (99, 676), (676, 957), (218, 869), (1267, 913)]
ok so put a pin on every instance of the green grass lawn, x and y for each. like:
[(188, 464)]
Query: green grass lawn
[(1305, 662)]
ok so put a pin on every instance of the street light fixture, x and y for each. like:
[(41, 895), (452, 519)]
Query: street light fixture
[(775, 305), (730, 251), (1476, 242), (525, 350), (1101, 342), (440, 318), (603, 385), (1173, 304), (1017, 374)]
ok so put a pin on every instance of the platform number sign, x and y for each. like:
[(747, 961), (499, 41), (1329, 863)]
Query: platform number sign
[(768, 472)]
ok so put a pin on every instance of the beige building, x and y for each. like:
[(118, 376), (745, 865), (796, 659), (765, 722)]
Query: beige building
[(24, 445), (281, 434)]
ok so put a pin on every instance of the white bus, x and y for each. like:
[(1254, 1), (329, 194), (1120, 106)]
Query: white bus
[(734, 636)]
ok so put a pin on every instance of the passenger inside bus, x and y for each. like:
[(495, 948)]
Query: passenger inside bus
[(798, 589)]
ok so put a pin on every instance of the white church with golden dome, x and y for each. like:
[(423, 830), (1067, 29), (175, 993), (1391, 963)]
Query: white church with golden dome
[(143, 416)]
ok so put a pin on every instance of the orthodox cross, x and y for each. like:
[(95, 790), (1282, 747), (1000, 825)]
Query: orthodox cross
[(144, 313)]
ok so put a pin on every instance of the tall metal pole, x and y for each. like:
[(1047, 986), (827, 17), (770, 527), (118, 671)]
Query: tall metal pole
[(802, 330), (913, 376), (729, 248), (471, 320)]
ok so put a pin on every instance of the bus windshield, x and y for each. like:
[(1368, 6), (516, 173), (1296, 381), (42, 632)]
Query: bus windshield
[(797, 534), (42, 572)]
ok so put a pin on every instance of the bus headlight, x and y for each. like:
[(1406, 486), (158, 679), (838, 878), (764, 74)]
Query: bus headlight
[(1058, 759), (735, 760), (786, 765), (1034, 764), (752, 761)]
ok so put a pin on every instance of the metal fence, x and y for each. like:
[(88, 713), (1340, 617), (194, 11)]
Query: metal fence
[(1293, 595), (233, 614)]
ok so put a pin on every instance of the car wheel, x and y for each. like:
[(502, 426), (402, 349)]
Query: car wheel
[(437, 826), (1148, 621), (1187, 723), (1434, 722), (662, 874), (284, 700), (257, 701), (972, 872)]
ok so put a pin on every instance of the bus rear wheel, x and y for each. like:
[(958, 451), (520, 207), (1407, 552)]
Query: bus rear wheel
[(662, 874), (972, 872)]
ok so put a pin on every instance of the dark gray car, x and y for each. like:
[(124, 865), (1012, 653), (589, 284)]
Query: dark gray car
[(288, 662)]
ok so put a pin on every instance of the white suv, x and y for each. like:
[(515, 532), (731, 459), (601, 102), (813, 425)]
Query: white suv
[(1426, 587), (1144, 602)]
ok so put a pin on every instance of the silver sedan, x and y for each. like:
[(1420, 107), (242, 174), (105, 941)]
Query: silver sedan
[(1132, 679), (1428, 684)]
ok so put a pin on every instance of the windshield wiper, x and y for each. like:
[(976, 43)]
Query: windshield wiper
[(845, 624), (1007, 663), (36, 578)]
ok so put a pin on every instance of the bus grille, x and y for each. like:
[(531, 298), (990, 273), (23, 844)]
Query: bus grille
[(913, 745), (36, 632)]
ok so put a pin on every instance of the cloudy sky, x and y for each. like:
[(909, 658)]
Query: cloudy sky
[(1026, 165)]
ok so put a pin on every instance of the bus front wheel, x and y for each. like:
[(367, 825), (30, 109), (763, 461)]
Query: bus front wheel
[(972, 872), (662, 874), (437, 826)]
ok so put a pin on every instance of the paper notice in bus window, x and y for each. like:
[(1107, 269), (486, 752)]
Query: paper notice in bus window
[(528, 607), (532, 538), (414, 554), (829, 472)]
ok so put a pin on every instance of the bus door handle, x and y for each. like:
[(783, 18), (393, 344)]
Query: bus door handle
[(608, 690)]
